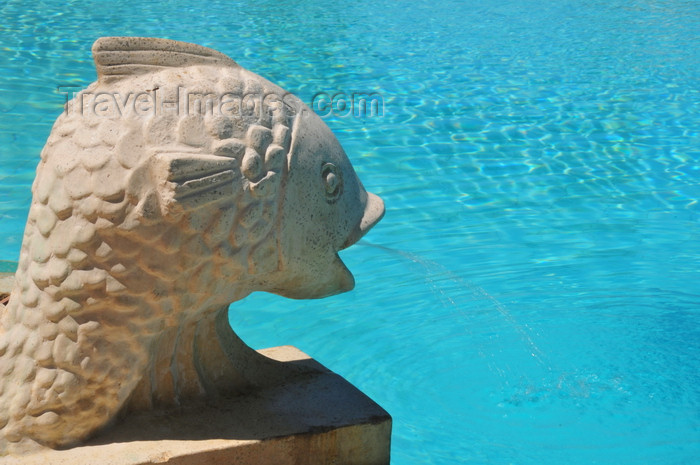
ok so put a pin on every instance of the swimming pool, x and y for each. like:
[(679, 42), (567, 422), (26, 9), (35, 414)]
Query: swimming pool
[(531, 296)]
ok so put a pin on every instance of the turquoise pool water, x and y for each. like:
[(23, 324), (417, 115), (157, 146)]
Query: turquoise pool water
[(532, 295)]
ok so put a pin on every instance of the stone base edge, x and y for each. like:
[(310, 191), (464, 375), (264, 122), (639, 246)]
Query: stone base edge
[(320, 419)]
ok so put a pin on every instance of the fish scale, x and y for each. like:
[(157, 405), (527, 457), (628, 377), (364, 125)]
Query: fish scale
[(77, 284)]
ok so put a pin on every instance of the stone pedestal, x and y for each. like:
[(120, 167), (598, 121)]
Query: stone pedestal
[(317, 419)]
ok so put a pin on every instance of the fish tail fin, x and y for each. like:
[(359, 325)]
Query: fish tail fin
[(122, 57)]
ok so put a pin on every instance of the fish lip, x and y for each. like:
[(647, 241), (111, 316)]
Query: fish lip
[(346, 282), (335, 279), (374, 212)]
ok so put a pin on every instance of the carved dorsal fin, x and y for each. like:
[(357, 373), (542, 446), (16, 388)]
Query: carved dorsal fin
[(122, 57)]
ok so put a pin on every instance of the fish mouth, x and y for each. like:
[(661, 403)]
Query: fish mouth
[(335, 277), (374, 212)]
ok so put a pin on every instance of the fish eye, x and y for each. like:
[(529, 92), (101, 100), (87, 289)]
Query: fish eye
[(332, 181)]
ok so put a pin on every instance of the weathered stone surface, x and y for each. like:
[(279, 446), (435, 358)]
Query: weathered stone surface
[(309, 420), (7, 282), (176, 184)]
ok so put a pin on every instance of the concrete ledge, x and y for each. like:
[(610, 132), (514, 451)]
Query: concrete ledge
[(318, 419)]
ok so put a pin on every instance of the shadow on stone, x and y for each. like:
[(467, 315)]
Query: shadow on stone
[(314, 418)]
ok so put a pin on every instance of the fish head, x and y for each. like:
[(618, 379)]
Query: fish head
[(326, 209), (216, 177)]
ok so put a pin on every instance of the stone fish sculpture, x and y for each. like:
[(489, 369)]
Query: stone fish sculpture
[(150, 215)]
